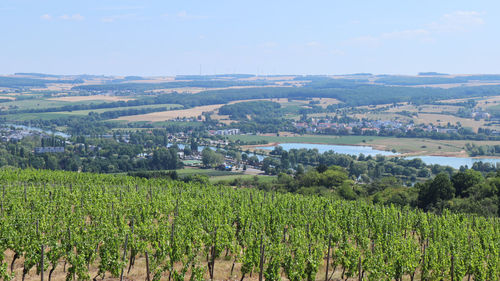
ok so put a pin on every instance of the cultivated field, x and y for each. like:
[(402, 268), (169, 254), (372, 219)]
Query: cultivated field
[(171, 114), (425, 108), (443, 120), (38, 103), (324, 102), (90, 98), (480, 101), (196, 111), (59, 114), (7, 97), (194, 90)]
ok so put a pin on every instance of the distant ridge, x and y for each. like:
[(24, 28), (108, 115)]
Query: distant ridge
[(359, 74), (432, 74), (34, 74), (216, 76)]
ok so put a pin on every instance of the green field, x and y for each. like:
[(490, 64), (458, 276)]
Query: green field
[(42, 103), (34, 116), (205, 172), (86, 112), (216, 176), (59, 114), (307, 139), (261, 178)]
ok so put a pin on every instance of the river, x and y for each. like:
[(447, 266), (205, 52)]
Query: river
[(454, 162)]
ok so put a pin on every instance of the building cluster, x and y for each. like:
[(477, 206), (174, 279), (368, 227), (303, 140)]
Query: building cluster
[(370, 127), (363, 127), (50, 149), (13, 134), (481, 115), (225, 132)]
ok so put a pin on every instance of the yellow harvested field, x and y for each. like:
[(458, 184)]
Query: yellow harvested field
[(374, 106), (87, 98), (188, 90), (278, 100), (270, 78), (223, 119), (171, 114), (196, 111), (382, 116), (442, 120), (454, 100), (488, 101), (56, 87), (424, 108), (324, 102), (481, 101), (194, 90), (7, 98)]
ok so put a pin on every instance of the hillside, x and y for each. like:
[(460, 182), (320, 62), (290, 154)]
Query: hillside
[(104, 225)]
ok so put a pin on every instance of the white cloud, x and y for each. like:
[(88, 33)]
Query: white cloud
[(313, 44), (269, 44), (120, 8), (114, 18), (74, 17), (457, 21), (337, 52), (184, 15), (406, 34), (371, 41), (46, 17)]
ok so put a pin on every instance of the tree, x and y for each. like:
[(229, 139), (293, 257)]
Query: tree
[(346, 192), (464, 180), (187, 151), (322, 168), (299, 170), (435, 191), (211, 158), (194, 145), (333, 177), (164, 158)]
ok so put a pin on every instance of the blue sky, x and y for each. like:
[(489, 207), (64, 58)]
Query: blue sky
[(129, 37)]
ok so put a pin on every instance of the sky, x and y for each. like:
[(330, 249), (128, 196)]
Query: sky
[(154, 38)]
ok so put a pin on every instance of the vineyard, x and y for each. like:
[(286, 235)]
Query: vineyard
[(79, 226)]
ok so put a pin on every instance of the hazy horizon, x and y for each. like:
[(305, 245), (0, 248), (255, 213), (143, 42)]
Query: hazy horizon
[(158, 38), (255, 74)]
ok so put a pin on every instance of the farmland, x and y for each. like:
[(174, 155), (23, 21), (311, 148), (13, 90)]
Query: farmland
[(171, 114), (90, 98), (136, 99), (60, 114)]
